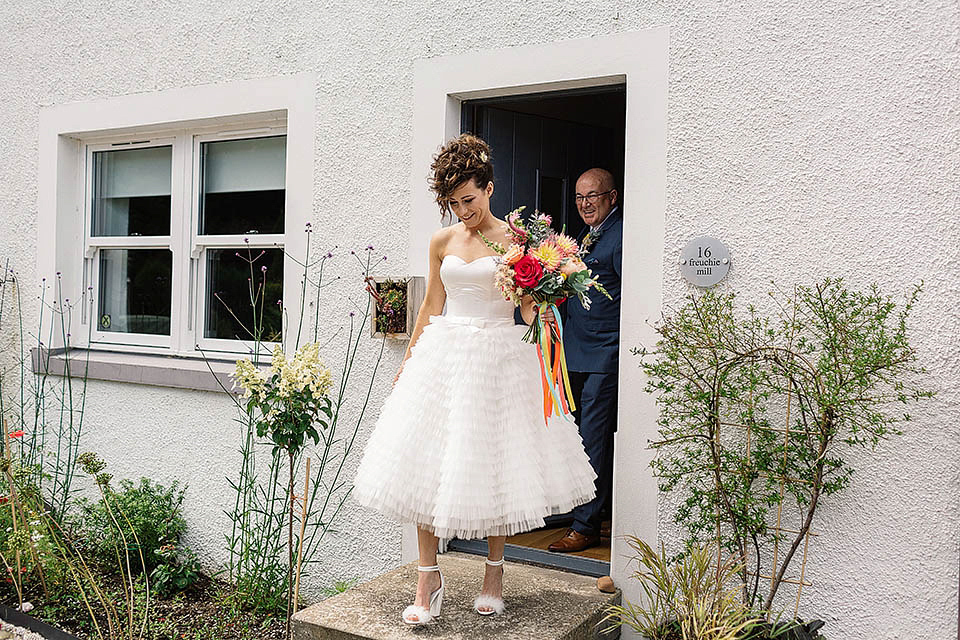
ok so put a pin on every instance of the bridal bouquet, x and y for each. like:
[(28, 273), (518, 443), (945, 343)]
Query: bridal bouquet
[(546, 265)]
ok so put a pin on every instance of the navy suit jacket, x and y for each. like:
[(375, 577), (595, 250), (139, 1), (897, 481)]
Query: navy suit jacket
[(591, 338)]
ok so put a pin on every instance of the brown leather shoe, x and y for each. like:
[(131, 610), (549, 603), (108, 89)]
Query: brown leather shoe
[(605, 529), (574, 541)]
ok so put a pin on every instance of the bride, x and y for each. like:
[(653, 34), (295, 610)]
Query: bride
[(461, 447)]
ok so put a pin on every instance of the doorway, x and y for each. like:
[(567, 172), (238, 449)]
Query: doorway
[(541, 144)]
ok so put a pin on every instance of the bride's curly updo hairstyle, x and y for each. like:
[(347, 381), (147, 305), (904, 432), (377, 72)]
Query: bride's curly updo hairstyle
[(461, 159)]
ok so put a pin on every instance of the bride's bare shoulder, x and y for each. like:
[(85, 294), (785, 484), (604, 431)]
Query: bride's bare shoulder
[(444, 234), (440, 239)]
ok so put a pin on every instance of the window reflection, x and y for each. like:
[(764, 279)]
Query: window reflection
[(132, 192), (135, 291), (232, 283)]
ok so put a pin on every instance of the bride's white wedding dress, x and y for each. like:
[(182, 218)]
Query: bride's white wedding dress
[(460, 447)]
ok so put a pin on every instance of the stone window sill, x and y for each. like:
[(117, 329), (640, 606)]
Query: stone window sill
[(136, 368)]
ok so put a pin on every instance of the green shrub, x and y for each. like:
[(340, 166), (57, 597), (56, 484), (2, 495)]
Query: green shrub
[(178, 570), (152, 511)]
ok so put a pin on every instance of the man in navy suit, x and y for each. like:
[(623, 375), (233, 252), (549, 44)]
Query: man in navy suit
[(591, 340)]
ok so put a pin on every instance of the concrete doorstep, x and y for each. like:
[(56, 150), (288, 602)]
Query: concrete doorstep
[(541, 604)]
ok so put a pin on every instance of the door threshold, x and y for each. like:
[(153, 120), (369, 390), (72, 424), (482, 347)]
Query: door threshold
[(516, 553)]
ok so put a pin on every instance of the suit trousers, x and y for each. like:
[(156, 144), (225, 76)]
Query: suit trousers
[(595, 395)]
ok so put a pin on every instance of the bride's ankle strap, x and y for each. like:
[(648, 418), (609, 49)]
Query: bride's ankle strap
[(434, 567), (495, 563)]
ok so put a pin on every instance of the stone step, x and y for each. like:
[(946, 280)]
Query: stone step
[(542, 604)]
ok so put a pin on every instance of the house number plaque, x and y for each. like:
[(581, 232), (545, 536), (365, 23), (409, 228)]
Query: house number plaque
[(705, 261)]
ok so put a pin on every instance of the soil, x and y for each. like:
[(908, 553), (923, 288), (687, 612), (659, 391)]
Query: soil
[(200, 613)]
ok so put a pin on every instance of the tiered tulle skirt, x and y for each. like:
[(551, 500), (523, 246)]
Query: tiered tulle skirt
[(460, 446)]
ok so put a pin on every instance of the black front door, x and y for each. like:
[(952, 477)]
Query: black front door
[(542, 143)]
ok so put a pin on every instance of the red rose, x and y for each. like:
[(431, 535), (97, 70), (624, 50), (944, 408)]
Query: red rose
[(528, 272)]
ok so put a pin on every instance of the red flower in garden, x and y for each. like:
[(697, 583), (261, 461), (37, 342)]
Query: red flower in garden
[(528, 271), (16, 434), (4, 499)]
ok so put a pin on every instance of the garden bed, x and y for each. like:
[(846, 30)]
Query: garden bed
[(204, 611)]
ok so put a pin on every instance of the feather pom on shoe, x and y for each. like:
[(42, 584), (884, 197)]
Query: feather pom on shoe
[(488, 602)]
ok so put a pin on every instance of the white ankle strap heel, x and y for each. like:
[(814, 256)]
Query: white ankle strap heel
[(490, 603), (415, 614)]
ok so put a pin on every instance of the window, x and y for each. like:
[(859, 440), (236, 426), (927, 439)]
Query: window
[(146, 199), (180, 230)]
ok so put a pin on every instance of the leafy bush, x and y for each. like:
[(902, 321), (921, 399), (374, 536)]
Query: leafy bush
[(153, 512), (35, 567), (758, 413), (178, 570)]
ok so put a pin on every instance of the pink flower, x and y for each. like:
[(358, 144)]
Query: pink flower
[(520, 236), (567, 245)]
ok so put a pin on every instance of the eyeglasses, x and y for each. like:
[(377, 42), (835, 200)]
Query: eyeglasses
[(590, 198)]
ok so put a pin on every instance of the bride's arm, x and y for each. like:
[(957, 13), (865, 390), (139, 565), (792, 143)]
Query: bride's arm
[(435, 296)]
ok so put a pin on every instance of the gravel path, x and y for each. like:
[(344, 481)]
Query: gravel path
[(10, 632)]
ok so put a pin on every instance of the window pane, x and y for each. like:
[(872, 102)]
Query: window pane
[(135, 290), (131, 192), (244, 183), (230, 313)]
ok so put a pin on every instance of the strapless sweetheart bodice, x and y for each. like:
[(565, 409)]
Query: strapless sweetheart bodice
[(471, 291)]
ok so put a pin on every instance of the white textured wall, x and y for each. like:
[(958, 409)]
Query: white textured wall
[(815, 138)]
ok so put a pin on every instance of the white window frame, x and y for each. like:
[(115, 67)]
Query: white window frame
[(188, 278), (93, 245), (70, 132), (199, 245)]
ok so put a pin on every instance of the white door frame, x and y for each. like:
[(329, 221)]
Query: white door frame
[(639, 59)]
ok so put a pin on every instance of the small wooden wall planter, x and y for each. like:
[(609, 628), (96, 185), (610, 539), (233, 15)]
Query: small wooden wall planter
[(396, 302)]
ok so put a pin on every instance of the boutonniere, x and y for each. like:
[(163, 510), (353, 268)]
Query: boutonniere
[(589, 240)]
